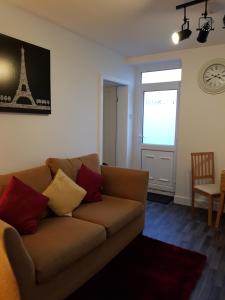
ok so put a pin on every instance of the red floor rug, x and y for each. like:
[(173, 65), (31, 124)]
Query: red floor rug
[(146, 270)]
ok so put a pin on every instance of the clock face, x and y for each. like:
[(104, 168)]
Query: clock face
[(212, 77)]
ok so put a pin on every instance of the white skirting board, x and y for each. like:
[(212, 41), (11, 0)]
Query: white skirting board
[(200, 202)]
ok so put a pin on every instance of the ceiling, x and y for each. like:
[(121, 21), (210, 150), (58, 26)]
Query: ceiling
[(131, 27)]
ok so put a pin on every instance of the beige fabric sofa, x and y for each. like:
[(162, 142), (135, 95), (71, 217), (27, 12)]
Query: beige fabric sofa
[(65, 252)]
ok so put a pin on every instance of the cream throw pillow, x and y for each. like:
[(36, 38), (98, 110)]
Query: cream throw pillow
[(64, 194)]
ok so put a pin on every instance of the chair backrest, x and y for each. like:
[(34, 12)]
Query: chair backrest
[(202, 167)]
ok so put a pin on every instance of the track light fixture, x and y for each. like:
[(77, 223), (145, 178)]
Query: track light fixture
[(205, 24), (184, 33), (203, 32)]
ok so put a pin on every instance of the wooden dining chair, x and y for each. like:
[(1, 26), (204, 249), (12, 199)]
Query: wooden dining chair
[(222, 199), (203, 179)]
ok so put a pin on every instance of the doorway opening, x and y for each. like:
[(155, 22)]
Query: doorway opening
[(115, 129), (112, 114)]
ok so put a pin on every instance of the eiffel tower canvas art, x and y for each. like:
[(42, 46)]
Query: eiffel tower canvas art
[(24, 77)]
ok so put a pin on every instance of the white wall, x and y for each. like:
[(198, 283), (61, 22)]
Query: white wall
[(76, 65), (201, 124)]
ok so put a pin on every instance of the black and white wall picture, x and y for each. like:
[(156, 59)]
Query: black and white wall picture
[(24, 77)]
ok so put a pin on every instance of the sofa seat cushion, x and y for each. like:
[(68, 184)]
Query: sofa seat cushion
[(113, 213), (59, 242)]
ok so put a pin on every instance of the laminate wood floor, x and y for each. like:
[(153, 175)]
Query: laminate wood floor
[(174, 224)]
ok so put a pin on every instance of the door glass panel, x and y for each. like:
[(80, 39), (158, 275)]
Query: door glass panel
[(159, 119)]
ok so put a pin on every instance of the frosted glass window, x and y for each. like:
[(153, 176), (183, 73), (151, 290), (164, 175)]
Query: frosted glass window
[(161, 76), (159, 121)]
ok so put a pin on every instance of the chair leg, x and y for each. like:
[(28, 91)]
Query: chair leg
[(220, 210), (193, 202), (210, 205)]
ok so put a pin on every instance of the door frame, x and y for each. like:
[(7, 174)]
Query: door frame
[(139, 105), (140, 111), (161, 148), (125, 131)]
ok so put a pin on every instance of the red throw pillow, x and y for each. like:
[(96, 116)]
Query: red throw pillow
[(91, 182), (21, 206)]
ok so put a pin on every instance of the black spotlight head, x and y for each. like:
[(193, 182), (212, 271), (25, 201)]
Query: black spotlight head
[(224, 22), (181, 35), (203, 33), (184, 34)]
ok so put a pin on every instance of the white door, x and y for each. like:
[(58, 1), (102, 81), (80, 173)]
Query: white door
[(158, 134)]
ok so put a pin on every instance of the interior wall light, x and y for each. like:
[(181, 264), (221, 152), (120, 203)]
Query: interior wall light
[(184, 33), (204, 26)]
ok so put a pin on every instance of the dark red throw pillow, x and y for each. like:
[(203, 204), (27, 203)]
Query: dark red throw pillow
[(21, 206), (91, 182)]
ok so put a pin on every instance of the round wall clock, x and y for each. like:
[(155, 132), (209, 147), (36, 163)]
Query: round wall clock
[(211, 77)]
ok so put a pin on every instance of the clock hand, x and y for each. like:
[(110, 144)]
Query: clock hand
[(213, 76), (210, 78)]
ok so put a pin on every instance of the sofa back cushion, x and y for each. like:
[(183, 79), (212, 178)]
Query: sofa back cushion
[(92, 162), (71, 166), (65, 164), (38, 178)]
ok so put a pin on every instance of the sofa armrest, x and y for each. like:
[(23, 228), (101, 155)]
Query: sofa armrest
[(16, 266), (125, 183)]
